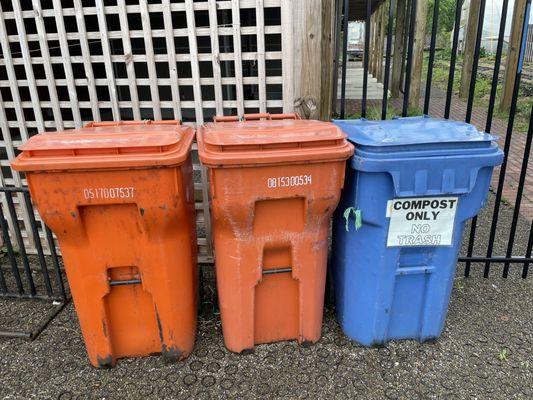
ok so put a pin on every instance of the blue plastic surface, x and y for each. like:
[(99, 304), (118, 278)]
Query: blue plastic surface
[(382, 292), (412, 131)]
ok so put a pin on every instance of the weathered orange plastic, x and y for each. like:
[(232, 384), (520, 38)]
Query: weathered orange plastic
[(119, 197), (274, 185)]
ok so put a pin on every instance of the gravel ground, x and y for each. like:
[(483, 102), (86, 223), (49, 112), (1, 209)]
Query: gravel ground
[(486, 351)]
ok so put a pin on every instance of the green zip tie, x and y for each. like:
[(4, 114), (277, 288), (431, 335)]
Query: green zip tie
[(358, 217)]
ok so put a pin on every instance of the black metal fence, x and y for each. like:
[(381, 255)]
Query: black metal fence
[(39, 276), (488, 258), (24, 276)]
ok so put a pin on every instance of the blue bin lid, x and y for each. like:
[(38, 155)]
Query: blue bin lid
[(412, 133)]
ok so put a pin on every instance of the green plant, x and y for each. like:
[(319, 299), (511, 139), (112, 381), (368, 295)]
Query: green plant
[(3, 250), (483, 87), (446, 15), (414, 111), (503, 355), (443, 54), (374, 113)]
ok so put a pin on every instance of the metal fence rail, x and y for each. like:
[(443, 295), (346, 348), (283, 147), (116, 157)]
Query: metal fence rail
[(38, 278), (487, 259)]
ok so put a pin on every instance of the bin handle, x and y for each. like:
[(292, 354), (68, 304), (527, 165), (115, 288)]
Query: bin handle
[(225, 118), (96, 124), (277, 270), (294, 116), (165, 122), (125, 282), (255, 117), (416, 270)]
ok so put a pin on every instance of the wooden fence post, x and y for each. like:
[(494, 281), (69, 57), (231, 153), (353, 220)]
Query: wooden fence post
[(469, 46), (337, 43), (375, 41), (513, 54), (328, 51), (382, 23), (311, 68), (398, 54), (418, 52)]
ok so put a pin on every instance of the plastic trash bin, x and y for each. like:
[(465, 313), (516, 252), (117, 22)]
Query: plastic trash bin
[(274, 182), (411, 186), (119, 198)]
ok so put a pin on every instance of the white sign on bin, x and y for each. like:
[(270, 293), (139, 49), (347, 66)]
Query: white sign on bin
[(421, 221)]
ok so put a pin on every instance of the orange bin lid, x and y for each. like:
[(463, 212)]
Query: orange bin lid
[(271, 141), (104, 145)]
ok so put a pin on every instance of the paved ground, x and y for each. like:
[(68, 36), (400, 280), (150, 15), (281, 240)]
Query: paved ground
[(485, 352)]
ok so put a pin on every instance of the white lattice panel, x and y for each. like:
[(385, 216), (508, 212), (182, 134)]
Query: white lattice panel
[(66, 63)]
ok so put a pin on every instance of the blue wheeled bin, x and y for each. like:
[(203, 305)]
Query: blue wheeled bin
[(410, 187)]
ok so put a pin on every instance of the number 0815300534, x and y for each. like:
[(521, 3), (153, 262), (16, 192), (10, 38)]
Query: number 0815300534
[(289, 181)]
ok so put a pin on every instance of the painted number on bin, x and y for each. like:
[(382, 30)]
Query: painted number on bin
[(109, 193), (289, 181), (421, 221)]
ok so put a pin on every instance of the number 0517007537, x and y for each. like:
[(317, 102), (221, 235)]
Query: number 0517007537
[(109, 193)]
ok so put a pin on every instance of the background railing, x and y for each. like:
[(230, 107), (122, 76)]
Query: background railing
[(23, 276), (407, 81)]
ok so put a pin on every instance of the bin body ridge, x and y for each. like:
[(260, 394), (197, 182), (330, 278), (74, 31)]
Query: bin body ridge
[(271, 219), (127, 237)]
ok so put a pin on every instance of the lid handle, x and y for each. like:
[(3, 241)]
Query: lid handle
[(166, 122), (225, 118), (255, 117), (96, 124), (285, 116)]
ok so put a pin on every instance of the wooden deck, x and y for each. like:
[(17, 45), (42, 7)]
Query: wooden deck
[(354, 83)]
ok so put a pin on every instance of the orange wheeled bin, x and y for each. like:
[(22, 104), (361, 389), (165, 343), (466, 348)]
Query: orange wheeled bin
[(119, 198), (275, 181)]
